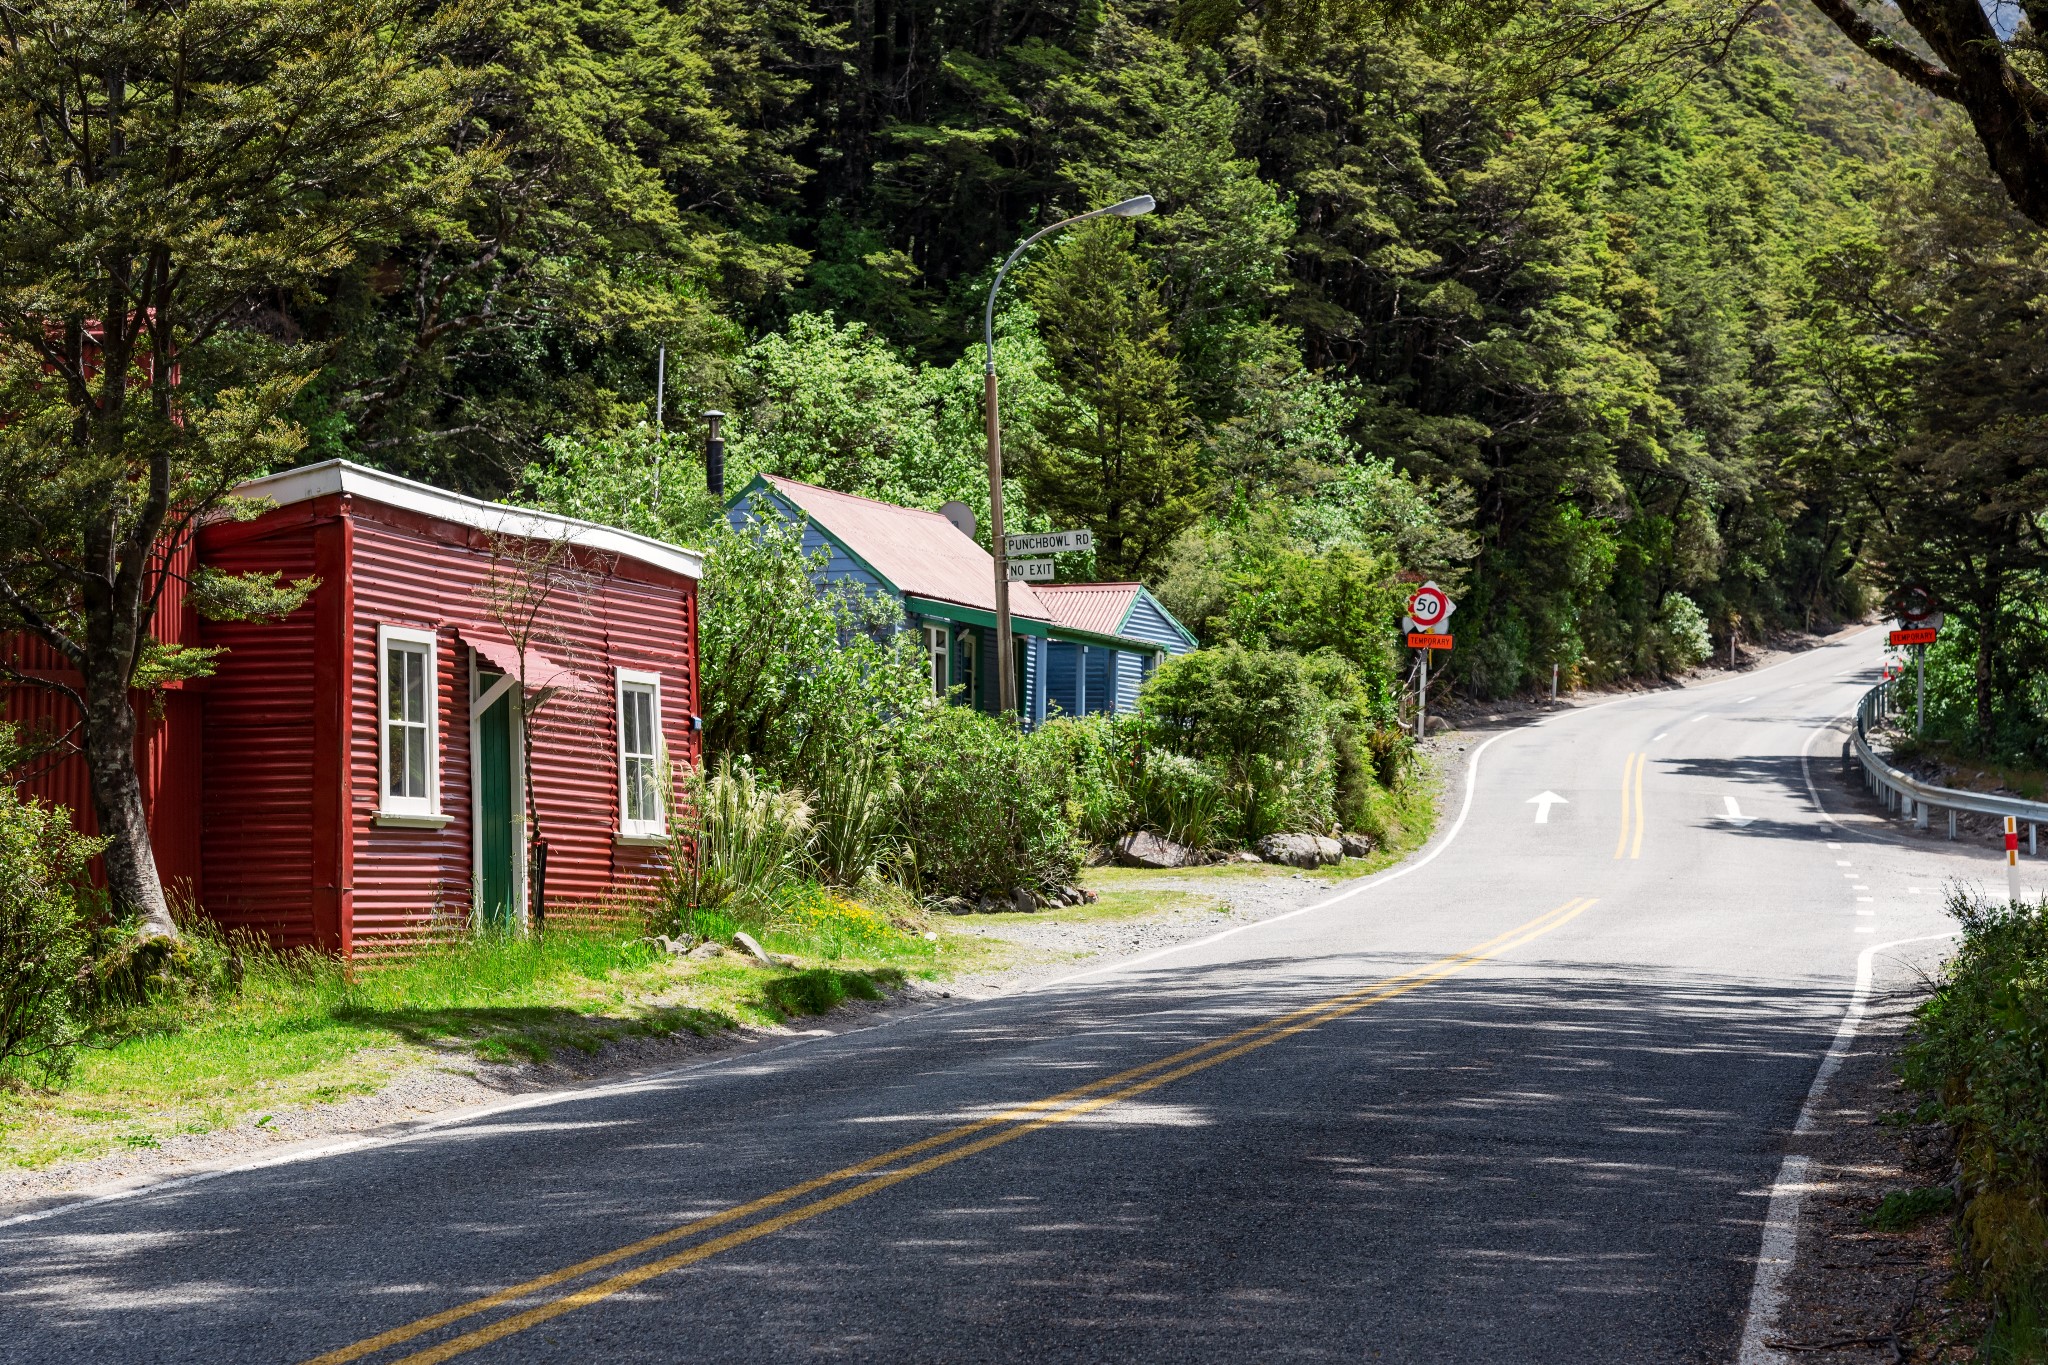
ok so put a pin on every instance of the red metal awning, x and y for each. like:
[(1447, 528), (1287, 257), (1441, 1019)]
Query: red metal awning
[(535, 670)]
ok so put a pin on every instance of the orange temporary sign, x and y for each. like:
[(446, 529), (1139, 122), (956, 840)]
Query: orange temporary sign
[(1418, 640), (1919, 636)]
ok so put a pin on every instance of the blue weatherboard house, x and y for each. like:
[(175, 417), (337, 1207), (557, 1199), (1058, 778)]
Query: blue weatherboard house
[(1080, 647)]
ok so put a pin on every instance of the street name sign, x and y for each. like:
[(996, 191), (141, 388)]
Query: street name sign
[(1030, 570), (1917, 636), (1422, 640), (1049, 543)]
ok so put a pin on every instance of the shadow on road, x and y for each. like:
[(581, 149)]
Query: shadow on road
[(1554, 1160)]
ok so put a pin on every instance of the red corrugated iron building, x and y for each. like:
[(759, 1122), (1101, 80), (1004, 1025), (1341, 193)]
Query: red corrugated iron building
[(350, 777)]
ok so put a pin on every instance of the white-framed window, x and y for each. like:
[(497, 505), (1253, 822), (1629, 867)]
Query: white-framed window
[(937, 642), (408, 722), (970, 664), (642, 813)]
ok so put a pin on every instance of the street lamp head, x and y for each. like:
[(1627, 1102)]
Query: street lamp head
[(1131, 208)]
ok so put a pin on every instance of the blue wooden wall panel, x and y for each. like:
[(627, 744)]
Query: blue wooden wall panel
[(1128, 669), (1148, 623), (1101, 689), (1061, 677)]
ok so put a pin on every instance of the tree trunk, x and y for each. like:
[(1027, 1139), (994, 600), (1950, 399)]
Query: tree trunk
[(117, 802), (1987, 649)]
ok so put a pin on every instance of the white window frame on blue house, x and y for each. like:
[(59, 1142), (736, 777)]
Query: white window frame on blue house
[(938, 645)]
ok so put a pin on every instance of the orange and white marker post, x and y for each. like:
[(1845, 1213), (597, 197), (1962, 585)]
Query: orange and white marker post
[(2012, 858)]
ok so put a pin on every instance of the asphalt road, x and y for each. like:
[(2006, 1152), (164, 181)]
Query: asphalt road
[(1522, 1102)]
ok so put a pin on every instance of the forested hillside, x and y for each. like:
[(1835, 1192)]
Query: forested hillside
[(1550, 343)]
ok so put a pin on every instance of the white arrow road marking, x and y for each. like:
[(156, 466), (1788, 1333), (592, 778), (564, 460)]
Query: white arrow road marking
[(1543, 801), (1734, 815)]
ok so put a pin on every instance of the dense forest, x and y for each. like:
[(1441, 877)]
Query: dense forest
[(1687, 338), (1566, 350)]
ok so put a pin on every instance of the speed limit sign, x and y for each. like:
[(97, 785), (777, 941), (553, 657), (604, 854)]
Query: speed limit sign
[(1428, 608)]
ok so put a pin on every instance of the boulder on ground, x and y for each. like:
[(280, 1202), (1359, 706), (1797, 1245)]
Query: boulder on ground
[(1145, 849), (704, 950), (749, 945), (957, 905), (1023, 901), (1330, 849), (1355, 845), (1297, 850)]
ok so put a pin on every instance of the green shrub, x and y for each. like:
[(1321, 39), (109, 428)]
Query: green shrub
[(1097, 759), (982, 806), (1258, 719), (1982, 1051), (739, 843), (1180, 797), (1902, 1209), (1680, 640), (853, 818), (799, 674), (46, 947)]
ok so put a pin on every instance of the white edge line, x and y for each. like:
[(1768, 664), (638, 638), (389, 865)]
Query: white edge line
[(1370, 883), (1781, 1219), (429, 1126), (1471, 785)]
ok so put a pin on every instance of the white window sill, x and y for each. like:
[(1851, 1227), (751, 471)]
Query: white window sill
[(641, 840), (389, 819)]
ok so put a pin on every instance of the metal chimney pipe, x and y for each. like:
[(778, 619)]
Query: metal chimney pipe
[(714, 454)]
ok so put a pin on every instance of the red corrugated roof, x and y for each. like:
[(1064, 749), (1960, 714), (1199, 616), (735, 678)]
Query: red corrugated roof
[(1098, 608), (922, 553)]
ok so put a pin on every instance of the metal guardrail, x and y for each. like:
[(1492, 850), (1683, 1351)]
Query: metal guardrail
[(1913, 799)]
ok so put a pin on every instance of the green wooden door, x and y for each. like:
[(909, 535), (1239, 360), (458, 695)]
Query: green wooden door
[(495, 830)]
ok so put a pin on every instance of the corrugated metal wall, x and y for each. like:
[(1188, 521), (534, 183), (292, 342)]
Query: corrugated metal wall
[(166, 740), (231, 768), (257, 815), (408, 879), (427, 575)]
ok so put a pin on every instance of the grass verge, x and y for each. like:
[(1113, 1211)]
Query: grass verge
[(250, 1033)]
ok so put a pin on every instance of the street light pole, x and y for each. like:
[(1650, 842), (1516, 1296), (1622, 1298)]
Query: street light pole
[(1006, 675)]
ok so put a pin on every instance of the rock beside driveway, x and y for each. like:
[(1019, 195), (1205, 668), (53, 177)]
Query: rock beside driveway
[(1299, 850), (1355, 845), (1145, 849)]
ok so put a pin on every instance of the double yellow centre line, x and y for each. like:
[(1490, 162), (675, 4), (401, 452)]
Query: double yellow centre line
[(1631, 816), (894, 1167)]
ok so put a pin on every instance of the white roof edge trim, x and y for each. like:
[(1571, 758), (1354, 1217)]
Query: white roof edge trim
[(344, 476)]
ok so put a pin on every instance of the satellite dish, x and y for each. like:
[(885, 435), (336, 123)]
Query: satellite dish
[(962, 517)]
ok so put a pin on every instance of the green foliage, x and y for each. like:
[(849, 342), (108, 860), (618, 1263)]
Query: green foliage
[(798, 675), (739, 843), (1097, 758), (1181, 798), (854, 822), (46, 947), (818, 990), (1981, 1049), (1900, 1210), (1681, 637), (983, 807), (1258, 719), (1933, 330), (1120, 458)]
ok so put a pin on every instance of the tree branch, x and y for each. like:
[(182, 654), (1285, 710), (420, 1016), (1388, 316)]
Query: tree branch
[(1882, 47)]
